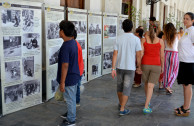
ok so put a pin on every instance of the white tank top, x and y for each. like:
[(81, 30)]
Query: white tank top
[(174, 46)]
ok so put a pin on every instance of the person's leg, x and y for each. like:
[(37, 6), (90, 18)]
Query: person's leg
[(187, 96), (150, 87), (127, 84), (120, 94), (78, 92), (119, 85), (146, 88), (70, 97)]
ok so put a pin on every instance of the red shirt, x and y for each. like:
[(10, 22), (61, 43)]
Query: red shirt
[(80, 59), (151, 54)]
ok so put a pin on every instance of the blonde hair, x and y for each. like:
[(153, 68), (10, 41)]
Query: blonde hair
[(159, 28)]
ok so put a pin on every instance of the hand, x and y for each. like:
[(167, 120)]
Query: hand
[(62, 87), (114, 74), (138, 71)]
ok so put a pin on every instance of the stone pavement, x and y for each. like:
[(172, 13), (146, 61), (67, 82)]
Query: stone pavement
[(99, 108)]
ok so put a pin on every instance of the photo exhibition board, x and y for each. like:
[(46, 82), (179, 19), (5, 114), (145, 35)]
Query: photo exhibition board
[(121, 18), (94, 44), (79, 18), (21, 51), (53, 42), (109, 39)]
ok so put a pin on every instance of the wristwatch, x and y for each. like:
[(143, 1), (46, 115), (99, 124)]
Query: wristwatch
[(113, 69)]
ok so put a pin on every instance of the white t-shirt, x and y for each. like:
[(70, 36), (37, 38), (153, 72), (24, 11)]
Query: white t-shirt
[(186, 47), (174, 46), (127, 44)]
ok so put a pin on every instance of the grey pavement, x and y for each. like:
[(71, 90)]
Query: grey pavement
[(99, 108)]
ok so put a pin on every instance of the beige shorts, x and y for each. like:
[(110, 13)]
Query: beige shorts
[(151, 73)]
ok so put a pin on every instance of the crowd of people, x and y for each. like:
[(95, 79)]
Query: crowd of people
[(151, 57), (154, 57)]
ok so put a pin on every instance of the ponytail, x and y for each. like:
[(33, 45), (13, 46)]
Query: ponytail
[(153, 30)]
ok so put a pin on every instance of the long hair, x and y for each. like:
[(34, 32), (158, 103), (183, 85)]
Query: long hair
[(170, 34), (153, 30)]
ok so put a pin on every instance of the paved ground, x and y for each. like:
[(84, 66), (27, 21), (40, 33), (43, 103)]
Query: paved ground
[(99, 108)]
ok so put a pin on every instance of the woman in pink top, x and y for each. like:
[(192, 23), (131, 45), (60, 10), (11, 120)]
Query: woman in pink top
[(152, 63)]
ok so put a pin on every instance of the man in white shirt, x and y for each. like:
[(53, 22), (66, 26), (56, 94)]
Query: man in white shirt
[(127, 50)]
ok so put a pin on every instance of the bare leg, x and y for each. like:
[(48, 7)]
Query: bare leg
[(146, 88), (123, 103), (120, 94), (187, 96), (149, 94)]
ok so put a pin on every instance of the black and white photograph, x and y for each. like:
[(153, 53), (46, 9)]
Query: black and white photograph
[(97, 50), (107, 60), (31, 41), (53, 55), (82, 43), (28, 68), (31, 87), (28, 20), (94, 51), (109, 31), (91, 52), (13, 93), (94, 29), (54, 86), (80, 26), (52, 30), (11, 18), (12, 46), (12, 71), (95, 69)]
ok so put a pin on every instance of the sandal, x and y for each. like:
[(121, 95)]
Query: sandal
[(183, 112), (178, 109), (168, 91)]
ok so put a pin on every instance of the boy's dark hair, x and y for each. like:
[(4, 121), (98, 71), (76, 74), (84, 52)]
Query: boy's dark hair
[(181, 28), (152, 19), (127, 25), (140, 31), (67, 27)]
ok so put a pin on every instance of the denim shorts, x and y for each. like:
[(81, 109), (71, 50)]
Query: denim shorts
[(125, 80)]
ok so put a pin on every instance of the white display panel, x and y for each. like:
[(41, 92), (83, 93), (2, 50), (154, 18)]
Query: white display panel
[(52, 17), (121, 18), (94, 45), (21, 51), (109, 38), (79, 18)]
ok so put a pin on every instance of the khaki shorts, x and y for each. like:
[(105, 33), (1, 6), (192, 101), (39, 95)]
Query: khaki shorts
[(151, 73)]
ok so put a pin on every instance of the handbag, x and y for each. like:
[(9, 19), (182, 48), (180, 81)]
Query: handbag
[(59, 95)]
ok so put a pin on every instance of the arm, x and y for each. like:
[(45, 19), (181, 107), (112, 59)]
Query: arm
[(138, 59), (114, 59), (63, 76), (142, 47), (162, 55)]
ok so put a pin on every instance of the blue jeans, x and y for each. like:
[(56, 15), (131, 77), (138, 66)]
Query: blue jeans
[(70, 97), (78, 92)]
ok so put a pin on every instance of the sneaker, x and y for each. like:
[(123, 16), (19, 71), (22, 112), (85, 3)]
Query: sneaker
[(125, 112), (64, 116), (77, 104), (149, 104), (136, 85), (67, 123), (147, 110)]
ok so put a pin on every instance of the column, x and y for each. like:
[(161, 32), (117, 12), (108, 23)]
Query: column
[(112, 6), (93, 5), (157, 10)]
